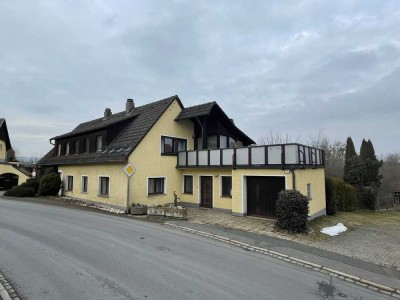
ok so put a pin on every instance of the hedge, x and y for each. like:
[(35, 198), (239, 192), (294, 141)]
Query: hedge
[(21, 191), (340, 196)]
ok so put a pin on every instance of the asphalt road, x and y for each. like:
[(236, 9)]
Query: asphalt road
[(55, 252)]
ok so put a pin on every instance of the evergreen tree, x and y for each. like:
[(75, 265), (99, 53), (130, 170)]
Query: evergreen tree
[(351, 165), (372, 165)]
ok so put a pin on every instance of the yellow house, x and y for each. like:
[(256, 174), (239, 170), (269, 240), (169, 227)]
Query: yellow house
[(11, 173), (197, 153)]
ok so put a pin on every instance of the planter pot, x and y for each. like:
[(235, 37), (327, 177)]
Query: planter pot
[(155, 211), (139, 210), (175, 212)]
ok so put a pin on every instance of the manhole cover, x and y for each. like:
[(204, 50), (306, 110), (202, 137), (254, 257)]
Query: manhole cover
[(162, 249)]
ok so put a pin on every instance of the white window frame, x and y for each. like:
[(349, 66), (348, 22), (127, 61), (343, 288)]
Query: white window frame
[(67, 183), (102, 140), (220, 186), (155, 177), (87, 184), (183, 184), (99, 186)]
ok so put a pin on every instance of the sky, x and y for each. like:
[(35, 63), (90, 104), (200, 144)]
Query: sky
[(294, 67)]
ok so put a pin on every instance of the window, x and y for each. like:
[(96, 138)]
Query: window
[(70, 183), (212, 142), (188, 184), (223, 141), (104, 186), (76, 147), (67, 148), (84, 184), (86, 145), (1, 147), (171, 145), (156, 186), (99, 143), (59, 149), (231, 143), (309, 191), (226, 186)]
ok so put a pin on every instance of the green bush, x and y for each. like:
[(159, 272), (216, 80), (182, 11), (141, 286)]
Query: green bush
[(330, 197), (32, 183), (21, 191), (292, 211), (49, 184), (368, 197), (340, 196)]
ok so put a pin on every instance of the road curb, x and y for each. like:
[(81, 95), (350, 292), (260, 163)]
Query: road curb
[(6, 290), (341, 275)]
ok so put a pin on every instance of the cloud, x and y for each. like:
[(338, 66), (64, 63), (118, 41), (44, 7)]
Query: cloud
[(292, 67)]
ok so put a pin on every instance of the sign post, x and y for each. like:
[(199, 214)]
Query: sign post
[(129, 170)]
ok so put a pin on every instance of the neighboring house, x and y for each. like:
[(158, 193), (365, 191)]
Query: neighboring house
[(197, 152), (11, 173)]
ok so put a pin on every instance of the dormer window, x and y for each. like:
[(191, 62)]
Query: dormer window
[(76, 147), (67, 148), (99, 143), (86, 144), (59, 148)]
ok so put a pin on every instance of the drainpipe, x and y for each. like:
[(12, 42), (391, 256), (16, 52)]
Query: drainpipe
[(294, 179)]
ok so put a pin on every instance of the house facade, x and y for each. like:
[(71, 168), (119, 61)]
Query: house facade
[(197, 153), (11, 173)]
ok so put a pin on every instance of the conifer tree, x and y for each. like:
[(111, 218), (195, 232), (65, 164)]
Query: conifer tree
[(352, 165)]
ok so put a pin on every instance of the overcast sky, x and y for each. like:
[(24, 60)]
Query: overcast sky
[(296, 67)]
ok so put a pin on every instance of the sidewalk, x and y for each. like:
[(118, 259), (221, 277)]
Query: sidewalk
[(260, 233)]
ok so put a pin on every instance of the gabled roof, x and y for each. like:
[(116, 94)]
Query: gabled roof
[(196, 111), (205, 110), (4, 133), (139, 123)]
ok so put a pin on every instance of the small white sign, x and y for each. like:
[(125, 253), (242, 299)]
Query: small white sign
[(129, 169)]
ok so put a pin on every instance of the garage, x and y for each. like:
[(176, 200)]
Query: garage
[(7, 181), (262, 194)]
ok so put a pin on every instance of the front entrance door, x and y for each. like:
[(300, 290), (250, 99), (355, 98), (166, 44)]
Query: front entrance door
[(206, 191), (8, 180), (262, 193)]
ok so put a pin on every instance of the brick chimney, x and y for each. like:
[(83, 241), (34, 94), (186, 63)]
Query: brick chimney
[(129, 105), (107, 113)]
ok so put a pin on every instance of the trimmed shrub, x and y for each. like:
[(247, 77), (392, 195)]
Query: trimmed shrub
[(330, 196), (21, 191), (49, 184), (368, 197), (292, 211), (32, 183)]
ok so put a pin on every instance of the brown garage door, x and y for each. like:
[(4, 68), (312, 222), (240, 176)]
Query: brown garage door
[(262, 193)]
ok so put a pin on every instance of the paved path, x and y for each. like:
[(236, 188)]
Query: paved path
[(54, 252), (379, 245)]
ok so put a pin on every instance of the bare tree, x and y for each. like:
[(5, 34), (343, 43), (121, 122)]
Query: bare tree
[(335, 153), (276, 137), (390, 172)]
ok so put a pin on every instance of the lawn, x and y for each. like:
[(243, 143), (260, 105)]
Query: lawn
[(352, 220)]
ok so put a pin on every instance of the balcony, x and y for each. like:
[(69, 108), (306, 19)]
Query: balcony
[(286, 156)]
